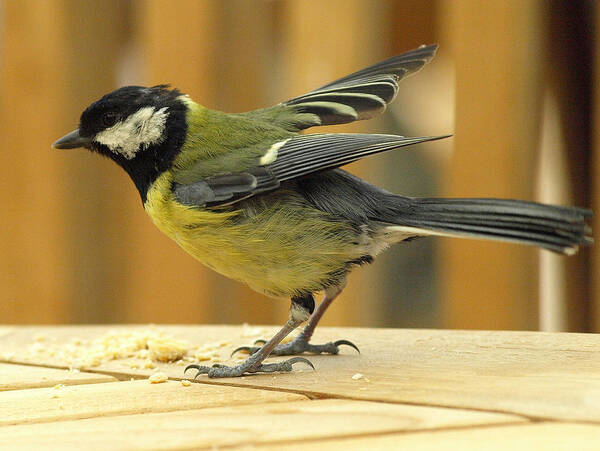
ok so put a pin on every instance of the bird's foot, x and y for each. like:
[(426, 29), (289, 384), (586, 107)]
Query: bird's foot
[(218, 370), (299, 346)]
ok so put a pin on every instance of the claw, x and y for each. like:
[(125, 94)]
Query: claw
[(192, 367), (300, 359), (241, 348), (260, 341), (201, 370), (347, 343)]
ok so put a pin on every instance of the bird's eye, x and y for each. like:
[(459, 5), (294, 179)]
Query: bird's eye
[(109, 118)]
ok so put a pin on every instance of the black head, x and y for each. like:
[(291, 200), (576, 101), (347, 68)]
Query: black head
[(141, 129)]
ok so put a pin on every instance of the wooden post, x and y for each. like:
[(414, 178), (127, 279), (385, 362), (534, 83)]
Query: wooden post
[(498, 48), (174, 46), (595, 178), (53, 267), (322, 41)]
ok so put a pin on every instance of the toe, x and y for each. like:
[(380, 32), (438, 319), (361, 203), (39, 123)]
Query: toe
[(200, 370)]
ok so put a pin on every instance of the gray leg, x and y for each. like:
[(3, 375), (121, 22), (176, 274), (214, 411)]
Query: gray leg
[(301, 342), (300, 310)]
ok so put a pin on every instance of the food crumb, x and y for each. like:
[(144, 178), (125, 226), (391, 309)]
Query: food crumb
[(202, 356), (157, 378), (185, 383), (359, 376)]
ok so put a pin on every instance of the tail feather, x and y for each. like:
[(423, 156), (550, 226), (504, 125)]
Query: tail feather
[(559, 229)]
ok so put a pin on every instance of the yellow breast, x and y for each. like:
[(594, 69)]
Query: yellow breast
[(281, 250)]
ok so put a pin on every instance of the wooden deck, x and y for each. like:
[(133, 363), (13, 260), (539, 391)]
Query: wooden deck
[(420, 389)]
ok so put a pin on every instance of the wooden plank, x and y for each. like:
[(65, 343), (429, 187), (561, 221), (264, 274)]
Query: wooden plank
[(544, 436), (19, 377), (540, 375), (6, 330), (498, 91), (244, 425), (42, 405)]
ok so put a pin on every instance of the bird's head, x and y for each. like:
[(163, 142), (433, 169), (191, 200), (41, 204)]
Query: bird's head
[(140, 128)]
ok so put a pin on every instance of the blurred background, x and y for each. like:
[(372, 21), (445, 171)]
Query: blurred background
[(514, 81)]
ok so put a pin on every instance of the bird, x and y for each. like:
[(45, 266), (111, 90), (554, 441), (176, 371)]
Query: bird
[(252, 197)]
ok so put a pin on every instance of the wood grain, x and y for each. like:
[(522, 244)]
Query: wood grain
[(539, 375), (544, 436), (19, 377), (42, 405), (244, 425)]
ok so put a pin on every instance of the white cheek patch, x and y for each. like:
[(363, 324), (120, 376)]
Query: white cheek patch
[(140, 130)]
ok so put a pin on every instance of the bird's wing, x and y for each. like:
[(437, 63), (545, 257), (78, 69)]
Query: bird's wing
[(286, 160), (358, 96)]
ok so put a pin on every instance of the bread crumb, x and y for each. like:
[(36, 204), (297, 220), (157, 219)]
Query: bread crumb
[(185, 383), (166, 350), (202, 356), (157, 378), (359, 376), (140, 348)]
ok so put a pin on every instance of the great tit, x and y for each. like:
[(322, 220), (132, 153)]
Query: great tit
[(252, 198)]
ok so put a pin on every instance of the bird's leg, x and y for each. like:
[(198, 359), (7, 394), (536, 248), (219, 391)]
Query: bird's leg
[(301, 343), (300, 310)]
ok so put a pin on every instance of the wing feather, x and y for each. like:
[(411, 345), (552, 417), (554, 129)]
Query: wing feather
[(290, 159), (367, 91)]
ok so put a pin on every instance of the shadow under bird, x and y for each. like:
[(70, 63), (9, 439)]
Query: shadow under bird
[(252, 198)]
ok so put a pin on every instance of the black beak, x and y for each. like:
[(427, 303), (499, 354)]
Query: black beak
[(71, 141)]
